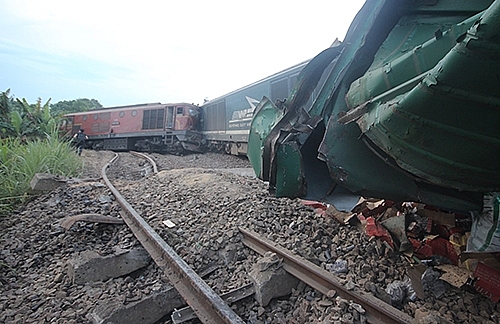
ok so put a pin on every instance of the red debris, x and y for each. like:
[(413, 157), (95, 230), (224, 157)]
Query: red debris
[(319, 207), (437, 246), (488, 281), (373, 228)]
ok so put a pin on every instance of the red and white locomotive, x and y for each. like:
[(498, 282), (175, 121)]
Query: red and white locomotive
[(153, 127), (221, 124)]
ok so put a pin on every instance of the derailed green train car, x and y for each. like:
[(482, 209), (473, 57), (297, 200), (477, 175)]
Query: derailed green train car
[(410, 110)]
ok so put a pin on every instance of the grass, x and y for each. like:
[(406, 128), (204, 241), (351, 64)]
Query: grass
[(20, 161)]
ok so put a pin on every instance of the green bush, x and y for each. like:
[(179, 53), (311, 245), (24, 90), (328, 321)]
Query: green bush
[(20, 161)]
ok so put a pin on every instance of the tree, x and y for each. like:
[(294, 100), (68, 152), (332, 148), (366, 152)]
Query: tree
[(33, 120), (75, 105), (20, 119)]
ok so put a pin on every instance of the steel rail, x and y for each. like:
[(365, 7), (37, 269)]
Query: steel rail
[(151, 161), (377, 311), (208, 306)]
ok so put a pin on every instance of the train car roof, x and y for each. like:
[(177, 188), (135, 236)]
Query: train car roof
[(130, 107), (272, 76)]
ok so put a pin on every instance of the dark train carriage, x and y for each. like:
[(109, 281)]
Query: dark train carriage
[(226, 120), (145, 127)]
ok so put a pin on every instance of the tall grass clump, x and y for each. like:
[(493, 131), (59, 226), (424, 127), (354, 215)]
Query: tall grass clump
[(20, 161)]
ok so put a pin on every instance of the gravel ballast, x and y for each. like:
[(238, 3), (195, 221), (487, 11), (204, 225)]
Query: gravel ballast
[(207, 205)]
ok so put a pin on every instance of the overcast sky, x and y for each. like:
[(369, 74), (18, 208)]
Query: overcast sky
[(130, 52)]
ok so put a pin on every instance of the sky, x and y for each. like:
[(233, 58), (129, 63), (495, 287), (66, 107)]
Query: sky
[(133, 52)]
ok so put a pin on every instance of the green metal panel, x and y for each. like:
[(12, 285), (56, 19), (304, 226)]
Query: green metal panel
[(289, 174), (413, 47), (426, 108), (447, 129), (265, 118), (366, 172)]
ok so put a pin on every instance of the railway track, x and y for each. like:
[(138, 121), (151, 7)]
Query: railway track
[(377, 311), (207, 305)]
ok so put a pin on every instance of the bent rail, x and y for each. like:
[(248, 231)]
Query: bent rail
[(208, 306), (150, 160), (377, 311)]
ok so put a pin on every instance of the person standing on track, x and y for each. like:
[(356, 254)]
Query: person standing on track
[(80, 138)]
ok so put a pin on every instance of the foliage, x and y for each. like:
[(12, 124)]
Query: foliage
[(36, 119), (30, 143), (20, 161), (77, 105), (20, 119), (6, 104)]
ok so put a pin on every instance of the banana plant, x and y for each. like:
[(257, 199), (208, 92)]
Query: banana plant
[(6, 103), (36, 119), (16, 122), (20, 119)]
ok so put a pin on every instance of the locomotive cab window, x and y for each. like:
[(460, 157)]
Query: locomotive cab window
[(180, 110)]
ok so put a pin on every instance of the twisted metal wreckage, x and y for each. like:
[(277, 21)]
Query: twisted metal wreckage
[(408, 110)]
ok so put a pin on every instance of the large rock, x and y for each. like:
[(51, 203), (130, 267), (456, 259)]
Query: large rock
[(46, 182), (270, 279), (149, 310), (89, 266)]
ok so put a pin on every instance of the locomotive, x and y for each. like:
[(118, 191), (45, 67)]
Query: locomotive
[(221, 124), (152, 127), (226, 119)]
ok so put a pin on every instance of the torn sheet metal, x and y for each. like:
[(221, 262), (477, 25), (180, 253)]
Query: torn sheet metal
[(426, 110), (445, 130)]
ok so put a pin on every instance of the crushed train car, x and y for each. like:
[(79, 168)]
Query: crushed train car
[(409, 109)]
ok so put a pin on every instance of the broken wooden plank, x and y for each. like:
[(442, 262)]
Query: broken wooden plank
[(94, 218)]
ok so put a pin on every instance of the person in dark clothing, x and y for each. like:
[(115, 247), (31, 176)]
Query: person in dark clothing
[(80, 138)]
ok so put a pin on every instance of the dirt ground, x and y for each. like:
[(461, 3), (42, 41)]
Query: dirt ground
[(207, 204)]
